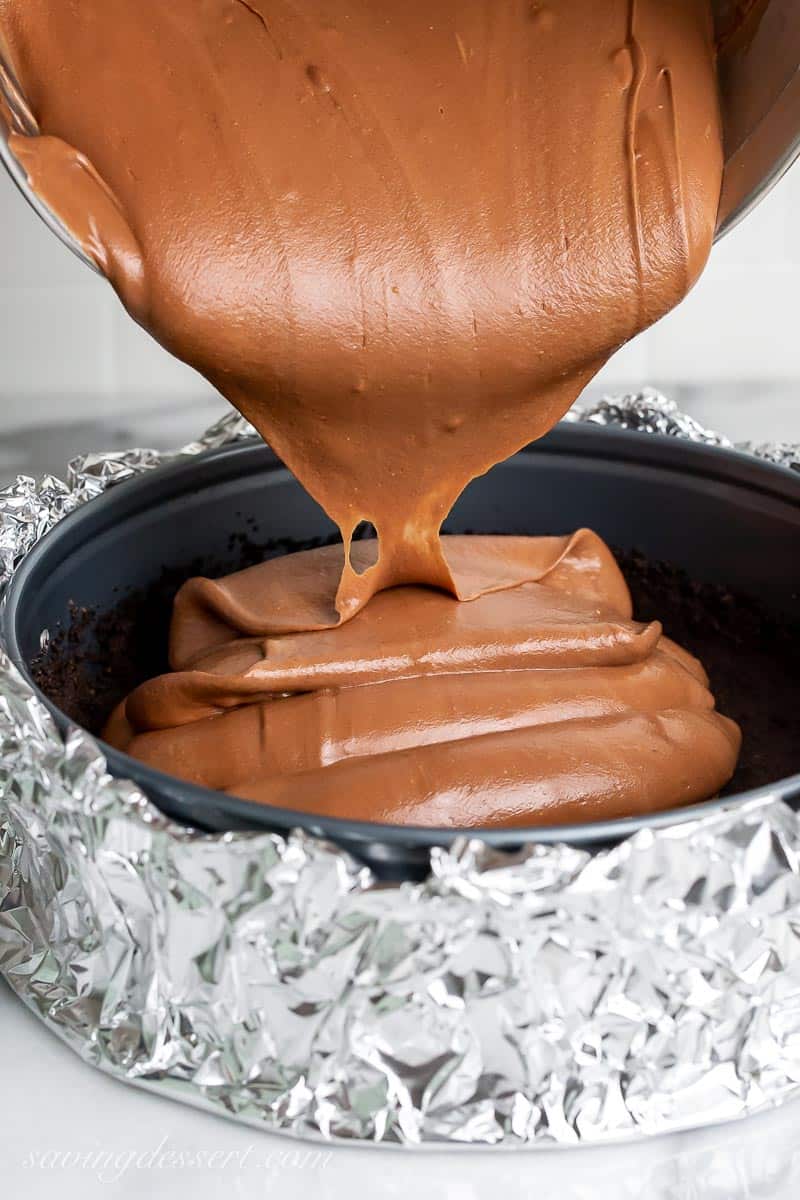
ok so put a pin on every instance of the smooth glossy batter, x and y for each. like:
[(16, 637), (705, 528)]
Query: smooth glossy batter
[(401, 238), (544, 702)]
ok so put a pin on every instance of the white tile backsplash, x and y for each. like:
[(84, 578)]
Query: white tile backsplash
[(764, 237), (738, 323), (143, 369), (55, 352), (30, 255), (68, 348), (789, 190)]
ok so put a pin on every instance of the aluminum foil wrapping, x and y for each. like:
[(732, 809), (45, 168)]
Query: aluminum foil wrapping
[(549, 997), (647, 412)]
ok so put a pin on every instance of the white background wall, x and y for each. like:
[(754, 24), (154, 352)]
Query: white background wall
[(69, 352)]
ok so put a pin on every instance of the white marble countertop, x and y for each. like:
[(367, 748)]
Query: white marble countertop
[(68, 1132)]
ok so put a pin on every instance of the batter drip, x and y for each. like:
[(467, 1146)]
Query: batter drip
[(400, 240)]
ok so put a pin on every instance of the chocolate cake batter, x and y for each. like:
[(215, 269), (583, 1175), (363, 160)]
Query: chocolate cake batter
[(401, 238)]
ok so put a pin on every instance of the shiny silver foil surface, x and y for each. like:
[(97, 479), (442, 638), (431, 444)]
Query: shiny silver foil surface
[(552, 997), (647, 412)]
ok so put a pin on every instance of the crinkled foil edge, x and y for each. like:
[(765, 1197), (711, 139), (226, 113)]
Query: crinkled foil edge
[(550, 997)]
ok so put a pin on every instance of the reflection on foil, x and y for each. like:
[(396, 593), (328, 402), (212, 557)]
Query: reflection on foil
[(547, 997), (784, 454), (647, 412)]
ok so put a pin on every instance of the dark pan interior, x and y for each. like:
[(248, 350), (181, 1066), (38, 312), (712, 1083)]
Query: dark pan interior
[(723, 518)]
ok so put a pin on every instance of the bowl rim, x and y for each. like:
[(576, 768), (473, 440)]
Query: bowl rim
[(725, 464)]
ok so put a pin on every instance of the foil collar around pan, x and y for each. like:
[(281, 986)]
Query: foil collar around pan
[(547, 997)]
